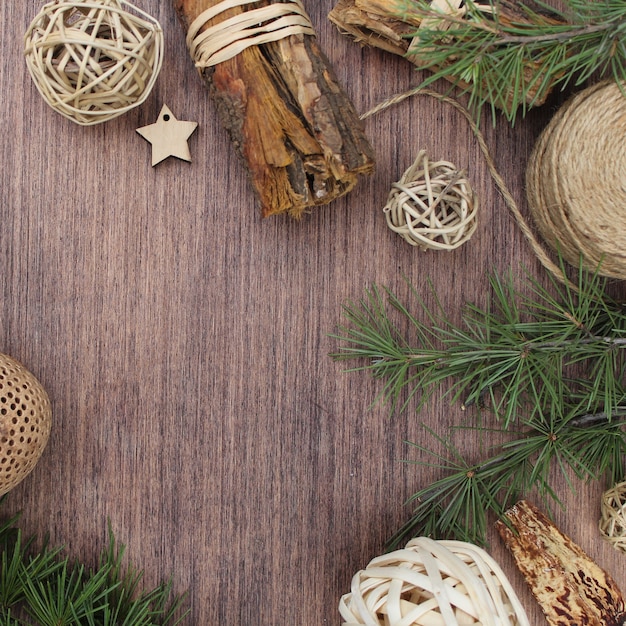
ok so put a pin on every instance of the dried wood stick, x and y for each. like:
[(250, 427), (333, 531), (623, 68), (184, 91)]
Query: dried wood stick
[(570, 587), (392, 24), (289, 119)]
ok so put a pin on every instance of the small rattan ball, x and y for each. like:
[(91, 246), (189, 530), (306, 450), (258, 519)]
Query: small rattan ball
[(432, 206), (613, 516), (25, 422), (432, 582), (93, 60)]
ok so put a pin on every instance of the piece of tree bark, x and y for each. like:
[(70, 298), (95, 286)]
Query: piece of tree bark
[(570, 587), (376, 23), (391, 25), (289, 119)]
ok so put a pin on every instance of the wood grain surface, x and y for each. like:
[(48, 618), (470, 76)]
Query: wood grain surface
[(184, 341)]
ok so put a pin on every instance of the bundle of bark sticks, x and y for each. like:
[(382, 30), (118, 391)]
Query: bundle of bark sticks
[(393, 25), (291, 122)]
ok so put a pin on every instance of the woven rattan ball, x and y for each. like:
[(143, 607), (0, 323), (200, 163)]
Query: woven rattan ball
[(613, 516), (575, 180), (432, 206), (25, 421), (93, 60), (432, 583)]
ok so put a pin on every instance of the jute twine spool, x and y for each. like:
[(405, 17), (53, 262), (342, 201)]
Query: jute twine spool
[(432, 206), (613, 516), (25, 422), (429, 582), (93, 60), (576, 180)]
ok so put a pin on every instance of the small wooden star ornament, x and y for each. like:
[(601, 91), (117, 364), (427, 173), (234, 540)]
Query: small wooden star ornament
[(168, 136)]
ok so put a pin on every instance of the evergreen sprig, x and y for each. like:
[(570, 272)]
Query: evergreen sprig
[(39, 587), (550, 366), (511, 63)]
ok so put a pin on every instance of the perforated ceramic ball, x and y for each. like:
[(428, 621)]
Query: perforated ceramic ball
[(93, 60), (25, 422)]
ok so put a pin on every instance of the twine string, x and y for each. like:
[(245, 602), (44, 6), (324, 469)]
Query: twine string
[(226, 39), (510, 202)]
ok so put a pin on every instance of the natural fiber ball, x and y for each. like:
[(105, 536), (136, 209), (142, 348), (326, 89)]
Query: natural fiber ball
[(432, 582), (576, 180), (25, 421), (432, 206), (613, 516), (92, 60)]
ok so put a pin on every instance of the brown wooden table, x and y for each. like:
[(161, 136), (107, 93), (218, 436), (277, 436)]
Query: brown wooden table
[(184, 341)]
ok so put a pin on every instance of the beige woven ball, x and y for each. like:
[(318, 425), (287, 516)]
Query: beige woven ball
[(25, 422), (432, 206), (93, 60), (432, 583), (613, 516)]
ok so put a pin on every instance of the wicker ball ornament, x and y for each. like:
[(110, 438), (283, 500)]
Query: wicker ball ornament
[(432, 583), (25, 422), (432, 206), (93, 60), (613, 516)]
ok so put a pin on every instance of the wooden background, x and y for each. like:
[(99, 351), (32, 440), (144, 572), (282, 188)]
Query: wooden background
[(184, 341)]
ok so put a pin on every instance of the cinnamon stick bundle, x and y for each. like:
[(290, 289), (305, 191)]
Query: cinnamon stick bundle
[(570, 587), (288, 117), (392, 24)]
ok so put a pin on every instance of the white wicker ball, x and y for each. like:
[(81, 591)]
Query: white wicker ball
[(432, 583)]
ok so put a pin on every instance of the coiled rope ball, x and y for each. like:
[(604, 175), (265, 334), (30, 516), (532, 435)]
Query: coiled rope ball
[(93, 60), (429, 582), (432, 206), (25, 422), (576, 180)]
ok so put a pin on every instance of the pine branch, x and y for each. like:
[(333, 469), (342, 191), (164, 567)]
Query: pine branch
[(458, 504), (517, 348), (40, 588), (550, 366), (510, 63)]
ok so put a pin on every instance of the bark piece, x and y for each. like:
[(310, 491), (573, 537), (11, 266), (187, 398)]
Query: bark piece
[(391, 25), (288, 117), (570, 587)]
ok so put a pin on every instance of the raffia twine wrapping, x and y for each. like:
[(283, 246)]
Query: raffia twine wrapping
[(93, 60), (433, 205), (576, 180), (432, 583), (613, 516), (253, 27)]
